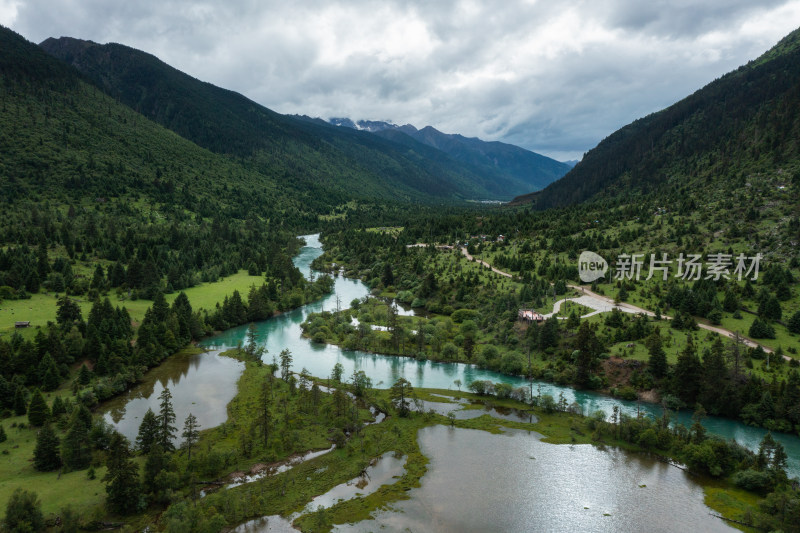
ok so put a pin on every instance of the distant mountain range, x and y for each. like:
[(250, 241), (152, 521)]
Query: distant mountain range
[(529, 169), (309, 156), (742, 124)]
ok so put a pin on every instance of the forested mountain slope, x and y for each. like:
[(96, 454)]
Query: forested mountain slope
[(520, 169), (301, 154), (746, 122)]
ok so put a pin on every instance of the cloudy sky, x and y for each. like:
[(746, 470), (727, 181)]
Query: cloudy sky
[(553, 77)]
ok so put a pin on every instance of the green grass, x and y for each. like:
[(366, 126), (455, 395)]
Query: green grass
[(783, 337), (731, 502), (42, 307), (55, 492)]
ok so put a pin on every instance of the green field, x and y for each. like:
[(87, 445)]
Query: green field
[(41, 308)]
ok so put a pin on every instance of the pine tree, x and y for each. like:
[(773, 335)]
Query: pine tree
[(75, 450), (58, 408), (715, 377), (657, 363), (3, 436), (759, 329), (124, 492), (20, 404), (148, 432), (48, 373), (794, 323), (687, 375), (286, 364), (45, 454), (84, 375), (38, 413), (191, 432), (160, 308), (154, 482), (68, 313), (730, 303), (166, 421), (400, 393), (98, 279)]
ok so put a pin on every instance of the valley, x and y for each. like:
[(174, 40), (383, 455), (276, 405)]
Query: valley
[(217, 317)]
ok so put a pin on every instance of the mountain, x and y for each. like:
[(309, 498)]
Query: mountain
[(525, 168), (313, 158), (87, 184), (744, 123)]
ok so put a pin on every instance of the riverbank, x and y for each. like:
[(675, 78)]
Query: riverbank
[(288, 495)]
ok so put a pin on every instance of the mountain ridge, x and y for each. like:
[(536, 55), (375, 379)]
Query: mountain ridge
[(303, 154), (525, 167)]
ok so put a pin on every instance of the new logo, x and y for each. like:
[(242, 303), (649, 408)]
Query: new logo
[(591, 267)]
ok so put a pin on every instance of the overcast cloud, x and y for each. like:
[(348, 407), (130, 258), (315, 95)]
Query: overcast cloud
[(553, 77)]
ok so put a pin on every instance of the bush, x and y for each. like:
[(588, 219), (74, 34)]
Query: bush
[(753, 480), (24, 512), (463, 314), (511, 363), (627, 393), (449, 350)]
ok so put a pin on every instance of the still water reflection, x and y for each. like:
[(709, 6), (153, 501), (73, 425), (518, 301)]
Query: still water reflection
[(201, 384), (478, 482)]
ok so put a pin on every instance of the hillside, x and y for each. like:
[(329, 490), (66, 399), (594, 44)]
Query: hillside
[(313, 159), (742, 124), (522, 169), (88, 185)]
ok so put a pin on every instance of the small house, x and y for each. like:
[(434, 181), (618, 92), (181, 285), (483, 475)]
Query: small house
[(530, 315), (22, 324)]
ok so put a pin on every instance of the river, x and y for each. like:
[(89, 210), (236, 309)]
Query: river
[(203, 384)]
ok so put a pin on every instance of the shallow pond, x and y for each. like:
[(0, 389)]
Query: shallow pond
[(478, 482), (201, 384)]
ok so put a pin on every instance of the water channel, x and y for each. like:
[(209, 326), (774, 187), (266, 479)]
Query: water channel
[(203, 384)]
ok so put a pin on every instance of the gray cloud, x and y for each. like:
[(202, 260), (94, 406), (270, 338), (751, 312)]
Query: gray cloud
[(554, 77)]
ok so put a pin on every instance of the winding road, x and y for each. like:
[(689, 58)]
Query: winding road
[(602, 304)]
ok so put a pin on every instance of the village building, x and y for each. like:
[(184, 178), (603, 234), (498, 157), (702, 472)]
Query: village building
[(530, 315)]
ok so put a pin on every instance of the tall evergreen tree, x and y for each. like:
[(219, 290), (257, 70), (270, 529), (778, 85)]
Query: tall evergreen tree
[(46, 456), (124, 492), (688, 374), (715, 378), (657, 363), (84, 375), (166, 421), (38, 412), (191, 432), (588, 348), (75, 450), (20, 404), (286, 364), (148, 432), (58, 408), (157, 480)]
